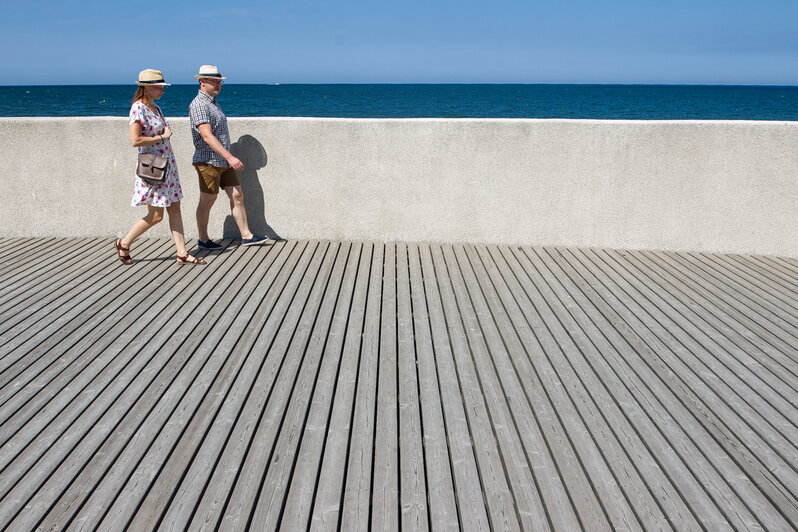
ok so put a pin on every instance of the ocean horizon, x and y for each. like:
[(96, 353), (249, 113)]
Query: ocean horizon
[(589, 101)]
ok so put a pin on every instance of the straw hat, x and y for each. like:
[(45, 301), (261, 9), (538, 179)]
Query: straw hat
[(209, 71), (151, 77)]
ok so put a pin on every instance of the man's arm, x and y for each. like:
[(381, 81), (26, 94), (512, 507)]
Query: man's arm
[(207, 135)]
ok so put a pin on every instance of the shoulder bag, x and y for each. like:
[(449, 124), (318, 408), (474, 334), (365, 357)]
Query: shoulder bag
[(152, 168)]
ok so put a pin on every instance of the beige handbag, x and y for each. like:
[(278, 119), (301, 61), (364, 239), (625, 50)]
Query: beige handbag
[(152, 168)]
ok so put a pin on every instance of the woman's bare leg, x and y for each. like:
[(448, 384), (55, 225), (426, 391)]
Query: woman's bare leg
[(153, 217), (176, 226)]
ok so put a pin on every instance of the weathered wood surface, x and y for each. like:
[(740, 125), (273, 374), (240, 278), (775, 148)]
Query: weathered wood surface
[(328, 385)]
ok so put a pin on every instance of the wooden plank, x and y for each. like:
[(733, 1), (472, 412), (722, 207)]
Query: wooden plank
[(596, 495), (183, 476), (147, 492), (21, 375), (786, 285), (626, 415), (18, 255), (115, 499), (94, 439), (356, 503), (289, 346), (55, 363), (266, 307), (443, 511), (52, 352), (402, 386), (90, 420), (744, 445), (385, 490), (43, 350), (487, 350), (32, 282), (468, 484), (53, 309), (271, 498), (754, 306), (749, 284), (501, 506), (757, 396), (331, 479), (299, 499), (270, 335), (782, 302), (33, 286), (772, 269), (412, 480), (788, 266), (687, 452), (526, 409), (633, 505), (759, 334), (745, 348), (12, 246), (680, 426), (754, 299), (20, 271)]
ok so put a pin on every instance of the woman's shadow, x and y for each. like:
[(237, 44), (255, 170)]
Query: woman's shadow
[(252, 153)]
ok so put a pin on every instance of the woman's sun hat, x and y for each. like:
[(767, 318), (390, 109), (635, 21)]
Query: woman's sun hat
[(209, 71), (151, 77)]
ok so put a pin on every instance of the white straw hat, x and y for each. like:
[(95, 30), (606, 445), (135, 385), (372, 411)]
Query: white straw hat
[(151, 77), (209, 71)]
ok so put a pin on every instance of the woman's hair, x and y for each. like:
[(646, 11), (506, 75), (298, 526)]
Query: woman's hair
[(142, 95)]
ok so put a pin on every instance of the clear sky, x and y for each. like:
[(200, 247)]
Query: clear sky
[(403, 41)]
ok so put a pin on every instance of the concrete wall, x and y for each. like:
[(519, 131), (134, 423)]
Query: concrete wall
[(679, 185)]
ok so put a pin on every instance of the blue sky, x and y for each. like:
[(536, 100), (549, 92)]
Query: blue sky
[(379, 41)]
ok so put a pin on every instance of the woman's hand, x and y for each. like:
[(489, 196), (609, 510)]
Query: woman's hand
[(136, 140)]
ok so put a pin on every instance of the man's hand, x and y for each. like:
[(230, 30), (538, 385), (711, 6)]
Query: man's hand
[(207, 135), (235, 163)]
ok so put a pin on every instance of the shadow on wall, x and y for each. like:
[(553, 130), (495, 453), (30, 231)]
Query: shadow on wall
[(252, 153)]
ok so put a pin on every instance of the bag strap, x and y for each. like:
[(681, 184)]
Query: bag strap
[(163, 118)]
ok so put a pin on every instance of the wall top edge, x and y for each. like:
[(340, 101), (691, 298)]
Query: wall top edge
[(18, 119)]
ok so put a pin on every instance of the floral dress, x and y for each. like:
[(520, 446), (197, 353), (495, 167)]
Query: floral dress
[(152, 125)]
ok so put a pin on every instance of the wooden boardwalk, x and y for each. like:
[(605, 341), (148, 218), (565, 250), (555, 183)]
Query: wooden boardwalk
[(328, 385)]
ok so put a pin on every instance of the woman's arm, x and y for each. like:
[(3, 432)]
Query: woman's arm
[(137, 140)]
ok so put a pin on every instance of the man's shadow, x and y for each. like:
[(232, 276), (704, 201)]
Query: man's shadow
[(252, 153)]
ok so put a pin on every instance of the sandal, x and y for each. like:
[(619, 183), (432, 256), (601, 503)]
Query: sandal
[(119, 249), (184, 260)]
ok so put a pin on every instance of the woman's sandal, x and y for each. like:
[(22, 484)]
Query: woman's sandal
[(119, 249), (184, 260)]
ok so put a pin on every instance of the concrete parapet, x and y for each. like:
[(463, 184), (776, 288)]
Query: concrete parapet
[(716, 186)]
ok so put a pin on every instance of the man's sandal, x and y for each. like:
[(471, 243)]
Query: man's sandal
[(120, 249), (185, 260)]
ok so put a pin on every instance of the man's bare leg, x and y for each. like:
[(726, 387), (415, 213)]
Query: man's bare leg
[(206, 201), (236, 196)]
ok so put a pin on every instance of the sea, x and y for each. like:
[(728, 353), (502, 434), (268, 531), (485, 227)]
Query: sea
[(631, 102)]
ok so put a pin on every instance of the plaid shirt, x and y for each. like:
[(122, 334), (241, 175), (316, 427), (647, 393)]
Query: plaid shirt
[(204, 109)]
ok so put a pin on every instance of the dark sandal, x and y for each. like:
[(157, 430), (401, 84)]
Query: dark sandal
[(184, 260), (119, 249)]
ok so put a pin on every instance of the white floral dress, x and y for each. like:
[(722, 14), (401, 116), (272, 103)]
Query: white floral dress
[(153, 124)]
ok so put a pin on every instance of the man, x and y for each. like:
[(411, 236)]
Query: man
[(215, 164)]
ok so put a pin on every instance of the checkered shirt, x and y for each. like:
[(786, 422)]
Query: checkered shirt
[(204, 109)]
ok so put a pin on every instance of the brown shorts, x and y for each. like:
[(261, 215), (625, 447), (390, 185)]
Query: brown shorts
[(212, 177)]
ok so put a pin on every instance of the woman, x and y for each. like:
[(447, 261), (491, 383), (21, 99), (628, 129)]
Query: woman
[(150, 132)]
